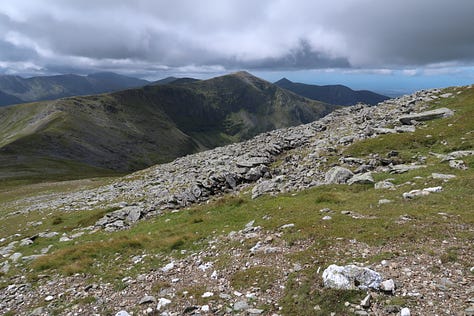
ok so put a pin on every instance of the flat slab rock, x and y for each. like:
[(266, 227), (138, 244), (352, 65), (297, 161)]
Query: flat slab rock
[(426, 116)]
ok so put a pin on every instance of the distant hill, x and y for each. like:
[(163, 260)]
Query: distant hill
[(174, 80), (333, 94), (54, 87), (6, 99), (135, 128)]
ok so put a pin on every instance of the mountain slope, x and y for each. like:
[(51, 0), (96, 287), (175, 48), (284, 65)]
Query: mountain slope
[(6, 99), (132, 129), (333, 94), (200, 235), (53, 87)]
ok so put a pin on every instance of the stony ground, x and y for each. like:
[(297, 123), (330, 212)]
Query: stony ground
[(250, 270)]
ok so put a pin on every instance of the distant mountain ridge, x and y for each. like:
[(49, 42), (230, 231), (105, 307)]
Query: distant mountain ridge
[(15, 89), (333, 94), (136, 128)]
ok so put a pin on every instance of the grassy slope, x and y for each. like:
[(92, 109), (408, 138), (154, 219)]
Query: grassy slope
[(136, 128), (190, 229)]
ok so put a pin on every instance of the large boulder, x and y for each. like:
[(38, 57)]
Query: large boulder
[(351, 277), (426, 116), (337, 175)]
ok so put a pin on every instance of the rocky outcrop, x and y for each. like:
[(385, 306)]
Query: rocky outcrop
[(426, 116), (274, 162)]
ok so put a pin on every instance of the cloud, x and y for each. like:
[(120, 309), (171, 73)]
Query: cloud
[(162, 36)]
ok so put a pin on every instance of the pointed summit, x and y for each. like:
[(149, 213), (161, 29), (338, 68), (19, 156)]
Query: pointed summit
[(283, 81)]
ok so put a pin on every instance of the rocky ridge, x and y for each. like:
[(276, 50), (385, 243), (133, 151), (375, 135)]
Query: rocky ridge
[(304, 150), (279, 161)]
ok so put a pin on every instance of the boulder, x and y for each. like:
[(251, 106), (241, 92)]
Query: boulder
[(457, 164), (426, 116), (351, 277), (263, 187), (364, 178), (383, 185), (388, 286), (337, 175)]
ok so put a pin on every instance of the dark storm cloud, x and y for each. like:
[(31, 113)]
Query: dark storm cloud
[(183, 35)]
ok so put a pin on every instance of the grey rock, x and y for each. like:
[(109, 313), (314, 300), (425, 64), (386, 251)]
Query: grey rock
[(263, 187), (254, 311), (382, 131), (48, 234), (366, 302), (15, 257), (147, 299), (361, 313), (133, 213), (26, 242), (426, 116), (5, 267), (405, 129), (442, 176), (364, 178), (31, 258), (337, 175), (388, 286), (405, 168), (383, 185), (469, 311), (392, 309), (459, 154), (351, 277), (384, 201), (240, 306), (405, 311), (457, 164), (39, 311)]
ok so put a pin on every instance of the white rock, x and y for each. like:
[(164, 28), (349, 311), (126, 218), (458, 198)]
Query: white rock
[(405, 311), (49, 298), (366, 301), (205, 308), (162, 302), (326, 218), (207, 294), (383, 185), (287, 226), (122, 313), (346, 277), (442, 176), (387, 286), (337, 175), (433, 189), (168, 267)]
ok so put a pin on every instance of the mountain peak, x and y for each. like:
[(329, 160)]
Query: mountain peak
[(283, 81)]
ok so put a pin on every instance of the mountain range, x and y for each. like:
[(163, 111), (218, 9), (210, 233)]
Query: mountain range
[(333, 94), (15, 89), (135, 128)]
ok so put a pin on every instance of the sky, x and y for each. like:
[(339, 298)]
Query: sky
[(391, 46)]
